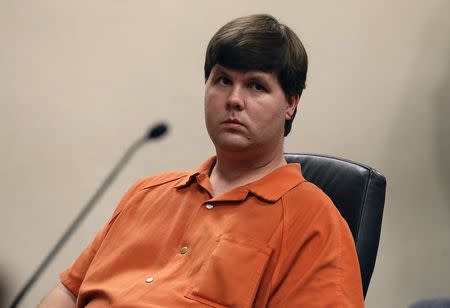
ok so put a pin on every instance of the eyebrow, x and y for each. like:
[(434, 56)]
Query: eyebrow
[(220, 70), (251, 75), (259, 78)]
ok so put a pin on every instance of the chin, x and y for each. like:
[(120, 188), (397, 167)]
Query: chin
[(239, 144)]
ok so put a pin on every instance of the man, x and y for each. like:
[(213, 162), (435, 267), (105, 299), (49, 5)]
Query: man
[(243, 230)]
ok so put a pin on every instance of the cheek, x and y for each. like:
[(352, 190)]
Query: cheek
[(213, 103), (207, 102), (211, 110), (269, 121), (270, 114)]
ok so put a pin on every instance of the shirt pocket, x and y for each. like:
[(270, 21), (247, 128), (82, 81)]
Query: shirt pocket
[(231, 275)]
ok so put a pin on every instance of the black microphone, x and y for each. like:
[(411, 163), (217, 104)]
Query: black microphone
[(155, 132)]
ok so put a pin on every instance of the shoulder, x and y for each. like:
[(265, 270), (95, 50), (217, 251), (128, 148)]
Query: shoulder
[(318, 250), (312, 219), (306, 206), (307, 197), (307, 191)]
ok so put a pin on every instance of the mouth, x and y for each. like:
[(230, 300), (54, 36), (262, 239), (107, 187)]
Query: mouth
[(233, 123)]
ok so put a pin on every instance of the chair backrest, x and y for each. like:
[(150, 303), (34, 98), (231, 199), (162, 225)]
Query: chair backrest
[(358, 191)]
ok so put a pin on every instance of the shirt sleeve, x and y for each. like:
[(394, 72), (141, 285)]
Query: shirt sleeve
[(318, 264), (73, 277)]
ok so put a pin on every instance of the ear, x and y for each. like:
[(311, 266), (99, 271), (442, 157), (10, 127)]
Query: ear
[(293, 102)]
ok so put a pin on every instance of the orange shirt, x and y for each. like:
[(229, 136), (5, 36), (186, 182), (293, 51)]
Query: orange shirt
[(275, 242)]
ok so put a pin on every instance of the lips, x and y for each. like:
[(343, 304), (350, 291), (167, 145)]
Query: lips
[(236, 121), (233, 123)]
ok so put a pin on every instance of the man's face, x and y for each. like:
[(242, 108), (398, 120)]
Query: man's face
[(246, 110)]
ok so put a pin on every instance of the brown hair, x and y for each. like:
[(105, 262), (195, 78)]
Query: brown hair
[(260, 42)]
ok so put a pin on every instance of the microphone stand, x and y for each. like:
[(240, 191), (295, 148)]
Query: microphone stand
[(155, 132)]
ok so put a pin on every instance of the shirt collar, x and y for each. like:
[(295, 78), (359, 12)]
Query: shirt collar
[(203, 170), (270, 188), (275, 184)]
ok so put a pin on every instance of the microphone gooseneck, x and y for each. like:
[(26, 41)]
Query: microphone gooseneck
[(155, 132)]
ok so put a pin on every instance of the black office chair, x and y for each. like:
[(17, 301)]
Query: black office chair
[(358, 191)]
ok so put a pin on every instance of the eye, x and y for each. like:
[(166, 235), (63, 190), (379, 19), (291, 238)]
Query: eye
[(257, 86), (224, 80)]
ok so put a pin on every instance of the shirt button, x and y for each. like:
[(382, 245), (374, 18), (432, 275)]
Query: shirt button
[(209, 206), (149, 280), (184, 250)]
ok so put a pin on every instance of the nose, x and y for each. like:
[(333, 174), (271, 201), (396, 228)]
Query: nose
[(236, 99)]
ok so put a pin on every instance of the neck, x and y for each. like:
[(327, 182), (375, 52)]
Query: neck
[(233, 170)]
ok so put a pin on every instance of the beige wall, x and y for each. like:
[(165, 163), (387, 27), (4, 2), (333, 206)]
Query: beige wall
[(80, 80)]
